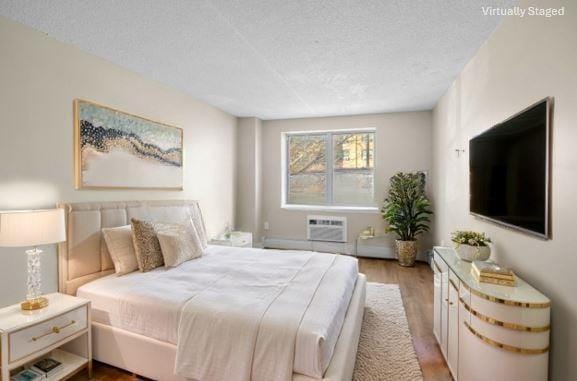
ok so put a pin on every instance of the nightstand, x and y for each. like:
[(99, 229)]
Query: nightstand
[(236, 239), (60, 331)]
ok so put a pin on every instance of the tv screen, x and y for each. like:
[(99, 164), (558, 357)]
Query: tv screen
[(509, 170)]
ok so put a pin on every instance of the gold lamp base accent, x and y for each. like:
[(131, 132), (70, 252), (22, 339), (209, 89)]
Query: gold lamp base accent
[(34, 304)]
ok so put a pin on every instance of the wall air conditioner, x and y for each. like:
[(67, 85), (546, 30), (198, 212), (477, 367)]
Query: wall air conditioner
[(327, 228)]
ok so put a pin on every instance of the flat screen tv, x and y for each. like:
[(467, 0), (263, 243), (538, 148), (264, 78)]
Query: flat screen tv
[(509, 171)]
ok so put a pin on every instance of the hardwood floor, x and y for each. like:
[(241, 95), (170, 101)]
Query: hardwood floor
[(416, 285)]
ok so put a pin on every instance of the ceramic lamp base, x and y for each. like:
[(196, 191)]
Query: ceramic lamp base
[(34, 304)]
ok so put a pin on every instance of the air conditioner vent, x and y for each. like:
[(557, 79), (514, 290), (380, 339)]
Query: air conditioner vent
[(327, 228)]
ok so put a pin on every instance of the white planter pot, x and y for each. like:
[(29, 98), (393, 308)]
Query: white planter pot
[(473, 253)]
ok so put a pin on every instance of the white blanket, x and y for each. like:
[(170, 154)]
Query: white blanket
[(244, 325), (151, 303)]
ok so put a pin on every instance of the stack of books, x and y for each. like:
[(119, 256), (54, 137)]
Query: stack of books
[(489, 272), (47, 367), (27, 375)]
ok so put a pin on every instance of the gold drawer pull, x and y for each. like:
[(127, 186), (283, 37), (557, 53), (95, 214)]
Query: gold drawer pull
[(54, 330)]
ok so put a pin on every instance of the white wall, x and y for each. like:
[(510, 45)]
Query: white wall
[(403, 143), (39, 78), (249, 177), (525, 60)]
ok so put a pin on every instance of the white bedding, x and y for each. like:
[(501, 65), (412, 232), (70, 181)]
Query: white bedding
[(151, 303)]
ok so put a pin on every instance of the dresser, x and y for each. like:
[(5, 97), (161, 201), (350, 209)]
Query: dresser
[(60, 331), (486, 331)]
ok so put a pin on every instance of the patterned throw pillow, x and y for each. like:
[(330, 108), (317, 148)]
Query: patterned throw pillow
[(146, 245), (179, 243)]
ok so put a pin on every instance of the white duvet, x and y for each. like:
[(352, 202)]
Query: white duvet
[(236, 314)]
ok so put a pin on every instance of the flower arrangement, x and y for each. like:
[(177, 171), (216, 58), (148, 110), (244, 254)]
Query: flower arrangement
[(471, 238)]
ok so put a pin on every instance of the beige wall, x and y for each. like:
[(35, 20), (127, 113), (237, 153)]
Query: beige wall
[(403, 143), (39, 78), (249, 177), (525, 60)]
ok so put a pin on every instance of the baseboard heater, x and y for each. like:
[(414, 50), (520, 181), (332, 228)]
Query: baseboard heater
[(327, 228)]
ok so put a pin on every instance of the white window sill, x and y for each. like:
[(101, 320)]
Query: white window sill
[(327, 208)]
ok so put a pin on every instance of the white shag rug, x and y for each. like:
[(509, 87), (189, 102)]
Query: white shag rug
[(385, 348)]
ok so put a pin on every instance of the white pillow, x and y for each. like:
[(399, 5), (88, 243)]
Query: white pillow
[(179, 243), (198, 226), (121, 249)]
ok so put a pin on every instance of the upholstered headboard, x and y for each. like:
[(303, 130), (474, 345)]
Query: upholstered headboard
[(84, 256)]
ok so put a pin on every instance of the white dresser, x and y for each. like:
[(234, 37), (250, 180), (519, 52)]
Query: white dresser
[(486, 331)]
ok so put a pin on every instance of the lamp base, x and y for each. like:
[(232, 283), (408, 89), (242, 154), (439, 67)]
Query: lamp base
[(34, 304)]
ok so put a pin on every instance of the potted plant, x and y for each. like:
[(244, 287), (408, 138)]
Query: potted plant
[(407, 209), (471, 246)]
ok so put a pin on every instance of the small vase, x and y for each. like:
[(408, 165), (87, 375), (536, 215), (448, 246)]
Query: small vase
[(473, 253), (406, 252)]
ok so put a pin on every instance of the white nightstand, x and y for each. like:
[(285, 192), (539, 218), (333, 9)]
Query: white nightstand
[(61, 331), (237, 239)]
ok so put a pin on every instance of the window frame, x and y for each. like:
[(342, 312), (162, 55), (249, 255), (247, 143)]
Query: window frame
[(329, 164)]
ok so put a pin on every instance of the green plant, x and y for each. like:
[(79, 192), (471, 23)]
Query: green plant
[(406, 207), (471, 238)]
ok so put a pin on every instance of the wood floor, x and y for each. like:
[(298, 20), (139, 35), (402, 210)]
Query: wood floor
[(417, 290)]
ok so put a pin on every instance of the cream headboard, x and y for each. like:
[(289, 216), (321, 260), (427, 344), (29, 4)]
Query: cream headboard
[(84, 256)]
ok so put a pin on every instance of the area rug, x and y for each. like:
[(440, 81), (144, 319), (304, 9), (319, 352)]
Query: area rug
[(386, 349)]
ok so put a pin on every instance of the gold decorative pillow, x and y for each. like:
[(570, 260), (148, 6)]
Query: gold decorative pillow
[(146, 245), (179, 243)]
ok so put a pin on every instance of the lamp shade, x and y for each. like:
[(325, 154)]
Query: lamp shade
[(32, 227)]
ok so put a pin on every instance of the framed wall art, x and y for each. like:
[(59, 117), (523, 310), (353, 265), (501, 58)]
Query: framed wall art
[(117, 150)]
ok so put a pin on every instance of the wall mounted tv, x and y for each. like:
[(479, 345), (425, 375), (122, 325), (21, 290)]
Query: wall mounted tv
[(509, 171)]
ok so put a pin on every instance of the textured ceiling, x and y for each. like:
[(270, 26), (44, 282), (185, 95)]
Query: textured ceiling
[(278, 58)]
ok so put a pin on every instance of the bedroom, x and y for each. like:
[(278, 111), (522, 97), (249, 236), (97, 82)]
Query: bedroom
[(209, 102)]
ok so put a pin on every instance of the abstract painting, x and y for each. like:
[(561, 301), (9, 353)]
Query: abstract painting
[(118, 150)]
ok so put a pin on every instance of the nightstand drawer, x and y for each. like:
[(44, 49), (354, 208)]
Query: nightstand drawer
[(42, 335)]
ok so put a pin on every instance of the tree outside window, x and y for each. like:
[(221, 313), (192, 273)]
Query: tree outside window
[(331, 168)]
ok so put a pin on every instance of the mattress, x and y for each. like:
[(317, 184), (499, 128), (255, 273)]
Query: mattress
[(150, 303)]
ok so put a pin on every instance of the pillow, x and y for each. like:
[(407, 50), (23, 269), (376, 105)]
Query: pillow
[(119, 243), (146, 245), (179, 243), (198, 225)]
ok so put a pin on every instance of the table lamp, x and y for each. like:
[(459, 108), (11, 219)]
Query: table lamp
[(32, 228)]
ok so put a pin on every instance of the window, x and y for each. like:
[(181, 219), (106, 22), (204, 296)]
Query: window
[(334, 169)]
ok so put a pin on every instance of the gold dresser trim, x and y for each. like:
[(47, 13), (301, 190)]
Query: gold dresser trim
[(510, 348), (506, 302), (490, 320)]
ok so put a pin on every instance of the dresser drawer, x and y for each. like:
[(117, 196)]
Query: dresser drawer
[(42, 335)]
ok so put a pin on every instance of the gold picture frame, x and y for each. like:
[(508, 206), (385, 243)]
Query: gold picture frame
[(103, 148)]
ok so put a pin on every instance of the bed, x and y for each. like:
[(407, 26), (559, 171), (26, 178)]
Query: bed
[(138, 318)]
